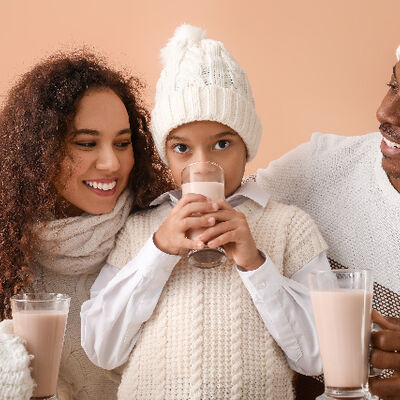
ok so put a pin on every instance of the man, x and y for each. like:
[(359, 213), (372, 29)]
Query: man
[(351, 187)]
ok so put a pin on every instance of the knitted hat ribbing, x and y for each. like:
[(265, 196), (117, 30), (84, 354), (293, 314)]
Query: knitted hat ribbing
[(201, 81)]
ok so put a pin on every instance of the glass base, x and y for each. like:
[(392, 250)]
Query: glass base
[(207, 258), (354, 394)]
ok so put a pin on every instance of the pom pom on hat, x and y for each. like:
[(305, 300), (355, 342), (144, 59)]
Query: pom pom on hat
[(184, 36), (201, 81)]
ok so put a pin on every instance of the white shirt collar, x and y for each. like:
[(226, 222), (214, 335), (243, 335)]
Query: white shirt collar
[(248, 190)]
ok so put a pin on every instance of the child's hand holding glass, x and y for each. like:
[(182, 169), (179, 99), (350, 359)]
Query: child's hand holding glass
[(231, 231), (190, 213)]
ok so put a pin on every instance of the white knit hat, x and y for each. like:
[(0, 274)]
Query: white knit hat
[(201, 81)]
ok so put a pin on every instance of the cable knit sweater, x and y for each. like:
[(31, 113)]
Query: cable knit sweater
[(340, 182), (205, 339)]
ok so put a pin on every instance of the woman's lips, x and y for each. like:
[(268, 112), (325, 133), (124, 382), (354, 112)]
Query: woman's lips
[(104, 187), (104, 193)]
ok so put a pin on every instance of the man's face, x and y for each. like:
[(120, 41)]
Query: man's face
[(388, 115)]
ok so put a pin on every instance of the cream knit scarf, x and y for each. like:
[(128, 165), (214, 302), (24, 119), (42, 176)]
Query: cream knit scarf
[(78, 245)]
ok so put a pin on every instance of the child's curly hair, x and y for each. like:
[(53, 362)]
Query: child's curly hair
[(33, 129)]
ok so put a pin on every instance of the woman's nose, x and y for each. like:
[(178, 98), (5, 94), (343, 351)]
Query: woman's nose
[(107, 160)]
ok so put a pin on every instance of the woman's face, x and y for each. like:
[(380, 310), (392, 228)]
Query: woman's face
[(99, 156)]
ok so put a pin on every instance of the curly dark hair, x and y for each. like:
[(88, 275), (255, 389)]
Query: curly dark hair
[(33, 128)]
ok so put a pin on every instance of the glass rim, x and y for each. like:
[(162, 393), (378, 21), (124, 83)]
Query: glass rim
[(341, 270), (204, 162), (40, 297)]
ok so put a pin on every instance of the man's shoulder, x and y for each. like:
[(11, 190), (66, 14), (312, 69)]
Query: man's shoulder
[(334, 156), (333, 143)]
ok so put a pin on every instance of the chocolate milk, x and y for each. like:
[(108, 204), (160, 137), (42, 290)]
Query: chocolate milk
[(343, 320), (212, 190), (44, 334)]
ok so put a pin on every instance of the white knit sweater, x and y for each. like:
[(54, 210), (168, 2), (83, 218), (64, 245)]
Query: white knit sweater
[(340, 182), (205, 339)]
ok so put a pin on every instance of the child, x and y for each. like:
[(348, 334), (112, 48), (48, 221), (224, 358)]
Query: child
[(226, 333)]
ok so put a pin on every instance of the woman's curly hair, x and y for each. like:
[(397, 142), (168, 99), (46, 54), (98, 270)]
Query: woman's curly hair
[(33, 126)]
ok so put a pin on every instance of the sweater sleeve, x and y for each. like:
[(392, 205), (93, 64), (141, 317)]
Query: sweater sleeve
[(16, 382)]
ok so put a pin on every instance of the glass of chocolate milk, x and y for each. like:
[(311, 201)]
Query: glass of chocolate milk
[(341, 301), (40, 319), (206, 178)]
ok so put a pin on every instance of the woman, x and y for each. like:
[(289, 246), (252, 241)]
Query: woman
[(69, 179)]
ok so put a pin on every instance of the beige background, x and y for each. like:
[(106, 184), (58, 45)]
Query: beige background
[(313, 65)]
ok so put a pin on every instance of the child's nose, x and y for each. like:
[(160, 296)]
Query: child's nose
[(202, 156)]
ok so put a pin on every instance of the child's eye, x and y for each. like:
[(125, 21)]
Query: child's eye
[(222, 144), (123, 145), (181, 148)]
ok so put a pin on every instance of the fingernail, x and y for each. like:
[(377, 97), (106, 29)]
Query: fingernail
[(211, 220), (215, 206), (199, 245)]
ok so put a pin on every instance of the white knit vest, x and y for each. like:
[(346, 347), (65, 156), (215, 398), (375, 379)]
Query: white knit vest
[(205, 339)]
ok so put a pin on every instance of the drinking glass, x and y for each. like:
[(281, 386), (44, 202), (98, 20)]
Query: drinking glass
[(341, 301), (206, 178), (40, 319)]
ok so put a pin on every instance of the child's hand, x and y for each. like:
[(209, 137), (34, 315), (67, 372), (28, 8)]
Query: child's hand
[(171, 236), (233, 233)]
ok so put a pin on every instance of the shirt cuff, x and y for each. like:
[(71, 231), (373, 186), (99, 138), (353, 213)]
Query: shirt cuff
[(152, 262), (265, 278)]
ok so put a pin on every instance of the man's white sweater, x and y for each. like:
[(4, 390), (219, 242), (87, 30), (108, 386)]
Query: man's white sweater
[(340, 182)]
